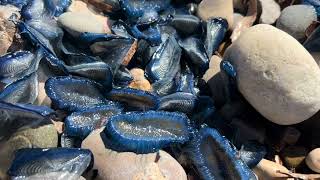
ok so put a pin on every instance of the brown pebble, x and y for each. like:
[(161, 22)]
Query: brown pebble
[(139, 81)]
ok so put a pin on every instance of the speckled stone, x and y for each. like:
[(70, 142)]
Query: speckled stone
[(127, 165), (295, 20), (43, 137), (276, 74), (313, 160)]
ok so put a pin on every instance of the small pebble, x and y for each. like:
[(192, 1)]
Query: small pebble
[(313, 160), (77, 22), (296, 19), (139, 80), (216, 8), (127, 165), (270, 11), (282, 84)]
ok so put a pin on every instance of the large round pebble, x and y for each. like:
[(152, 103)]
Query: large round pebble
[(276, 74), (295, 20), (313, 160), (114, 165), (216, 8)]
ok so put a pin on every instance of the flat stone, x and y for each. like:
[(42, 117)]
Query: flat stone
[(43, 137), (313, 160), (293, 156), (78, 22), (282, 84), (216, 8), (127, 165), (270, 11), (296, 19)]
